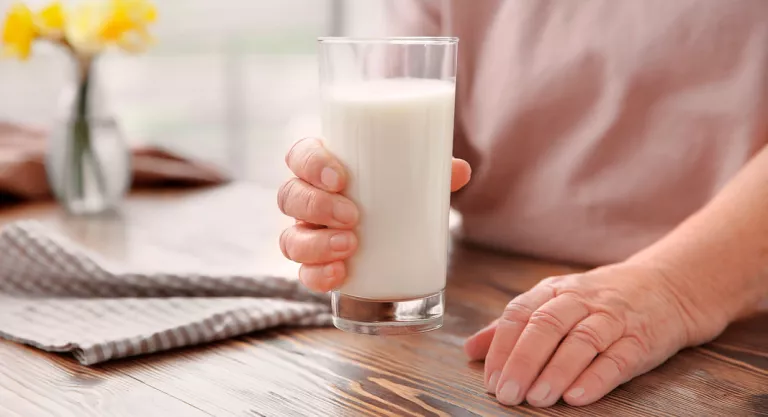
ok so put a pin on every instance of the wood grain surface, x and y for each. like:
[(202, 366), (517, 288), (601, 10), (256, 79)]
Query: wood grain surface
[(325, 372)]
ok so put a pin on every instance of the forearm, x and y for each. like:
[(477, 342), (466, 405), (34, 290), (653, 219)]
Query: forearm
[(721, 252)]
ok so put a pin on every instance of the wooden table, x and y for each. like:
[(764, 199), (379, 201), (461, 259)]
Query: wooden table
[(325, 372)]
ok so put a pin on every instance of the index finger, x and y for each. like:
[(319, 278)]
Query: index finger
[(309, 160), (509, 328)]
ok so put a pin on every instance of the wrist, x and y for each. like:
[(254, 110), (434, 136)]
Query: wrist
[(703, 313)]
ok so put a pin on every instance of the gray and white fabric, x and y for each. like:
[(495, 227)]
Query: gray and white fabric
[(58, 297)]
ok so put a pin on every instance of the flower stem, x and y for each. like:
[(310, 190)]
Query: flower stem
[(81, 133), (82, 142)]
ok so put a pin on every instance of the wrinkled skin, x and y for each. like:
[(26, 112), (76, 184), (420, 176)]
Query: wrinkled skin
[(580, 336)]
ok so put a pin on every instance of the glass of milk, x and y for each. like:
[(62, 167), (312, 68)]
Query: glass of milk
[(387, 115)]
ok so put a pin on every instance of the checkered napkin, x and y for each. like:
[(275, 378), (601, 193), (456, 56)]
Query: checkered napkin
[(56, 296)]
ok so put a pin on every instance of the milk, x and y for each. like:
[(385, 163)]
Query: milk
[(395, 138)]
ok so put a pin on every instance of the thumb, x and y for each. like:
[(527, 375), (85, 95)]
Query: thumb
[(460, 174), (477, 345)]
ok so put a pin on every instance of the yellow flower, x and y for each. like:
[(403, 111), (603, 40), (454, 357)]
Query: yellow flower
[(19, 32), (92, 26), (87, 28), (127, 26), (50, 20), (83, 25), (128, 16)]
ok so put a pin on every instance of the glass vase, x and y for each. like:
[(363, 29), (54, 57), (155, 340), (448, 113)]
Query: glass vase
[(88, 163)]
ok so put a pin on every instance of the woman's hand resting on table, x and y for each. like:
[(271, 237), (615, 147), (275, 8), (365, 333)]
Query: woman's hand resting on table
[(576, 336), (580, 336), (322, 237)]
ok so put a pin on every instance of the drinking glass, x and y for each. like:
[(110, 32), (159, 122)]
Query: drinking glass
[(387, 115)]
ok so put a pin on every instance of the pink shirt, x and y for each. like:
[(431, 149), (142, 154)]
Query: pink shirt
[(594, 127)]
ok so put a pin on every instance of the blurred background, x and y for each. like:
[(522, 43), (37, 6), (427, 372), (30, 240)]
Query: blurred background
[(230, 82)]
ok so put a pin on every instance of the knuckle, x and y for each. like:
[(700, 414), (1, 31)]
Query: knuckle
[(588, 335), (523, 362), (624, 365), (547, 322), (284, 237), (547, 282), (305, 275), (556, 371), (311, 164), (314, 161), (601, 379), (516, 312), (550, 286), (313, 202), (311, 247), (641, 346), (295, 152), (284, 194), (302, 201)]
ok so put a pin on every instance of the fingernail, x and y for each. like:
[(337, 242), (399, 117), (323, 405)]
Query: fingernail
[(340, 242), (539, 392), (576, 392), (344, 212), (493, 381), (508, 393), (330, 178), (329, 271)]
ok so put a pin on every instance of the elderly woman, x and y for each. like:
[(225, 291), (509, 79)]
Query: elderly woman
[(627, 134)]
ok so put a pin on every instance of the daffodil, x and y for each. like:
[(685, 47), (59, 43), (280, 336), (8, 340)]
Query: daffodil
[(19, 32), (127, 25), (83, 27), (93, 25), (50, 20), (127, 16)]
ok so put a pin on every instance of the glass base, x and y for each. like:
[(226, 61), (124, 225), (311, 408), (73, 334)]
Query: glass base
[(387, 317)]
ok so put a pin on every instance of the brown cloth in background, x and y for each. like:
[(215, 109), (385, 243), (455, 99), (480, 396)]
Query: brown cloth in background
[(23, 177)]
